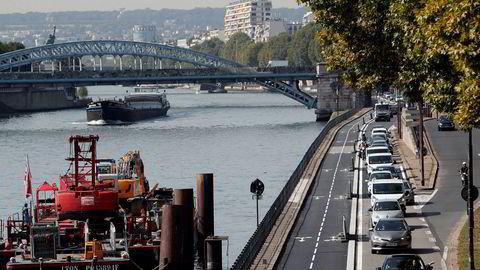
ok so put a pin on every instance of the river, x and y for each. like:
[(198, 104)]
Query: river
[(237, 136)]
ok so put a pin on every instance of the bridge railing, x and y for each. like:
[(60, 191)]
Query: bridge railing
[(256, 241)]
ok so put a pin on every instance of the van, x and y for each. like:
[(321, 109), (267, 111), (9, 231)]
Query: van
[(378, 160), (382, 112), (388, 190)]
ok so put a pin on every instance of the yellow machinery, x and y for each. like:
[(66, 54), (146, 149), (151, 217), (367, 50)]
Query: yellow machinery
[(131, 177), (93, 249)]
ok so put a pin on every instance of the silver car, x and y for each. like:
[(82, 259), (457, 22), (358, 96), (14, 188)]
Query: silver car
[(385, 209), (391, 233)]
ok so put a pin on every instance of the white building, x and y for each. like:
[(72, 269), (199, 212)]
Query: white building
[(274, 27), (245, 16), (144, 33)]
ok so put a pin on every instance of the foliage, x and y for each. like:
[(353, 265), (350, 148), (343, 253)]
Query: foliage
[(11, 46), (451, 29), (299, 53), (274, 49), (236, 47), (213, 46)]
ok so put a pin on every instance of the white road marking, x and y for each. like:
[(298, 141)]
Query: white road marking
[(331, 189), (422, 199), (302, 238)]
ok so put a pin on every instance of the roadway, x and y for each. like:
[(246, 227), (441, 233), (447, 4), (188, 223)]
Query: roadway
[(424, 242), (314, 241), (446, 208)]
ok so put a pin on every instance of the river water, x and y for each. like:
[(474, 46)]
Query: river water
[(236, 136)]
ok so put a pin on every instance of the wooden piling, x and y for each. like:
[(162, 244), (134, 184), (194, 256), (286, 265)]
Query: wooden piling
[(204, 217), (184, 197)]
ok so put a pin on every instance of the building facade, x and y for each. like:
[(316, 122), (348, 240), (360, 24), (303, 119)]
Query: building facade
[(245, 16)]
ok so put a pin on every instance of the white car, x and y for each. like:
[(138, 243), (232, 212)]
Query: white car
[(379, 130), (376, 176), (376, 150), (378, 160), (388, 190)]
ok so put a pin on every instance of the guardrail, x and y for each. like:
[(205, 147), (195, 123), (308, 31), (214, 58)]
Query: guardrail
[(256, 241)]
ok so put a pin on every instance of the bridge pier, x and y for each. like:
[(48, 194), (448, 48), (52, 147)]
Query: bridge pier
[(121, 62)]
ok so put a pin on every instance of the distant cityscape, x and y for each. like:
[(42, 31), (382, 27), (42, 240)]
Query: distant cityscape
[(183, 28)]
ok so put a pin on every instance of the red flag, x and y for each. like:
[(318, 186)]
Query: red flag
[(27, 180)]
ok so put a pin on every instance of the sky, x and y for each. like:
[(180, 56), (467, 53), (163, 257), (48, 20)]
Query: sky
[(22, 6)]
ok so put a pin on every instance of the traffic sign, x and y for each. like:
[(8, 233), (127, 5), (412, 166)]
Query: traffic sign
[(474, 193), (257, 187)]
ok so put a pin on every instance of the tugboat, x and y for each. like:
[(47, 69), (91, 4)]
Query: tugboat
[(144, 103)]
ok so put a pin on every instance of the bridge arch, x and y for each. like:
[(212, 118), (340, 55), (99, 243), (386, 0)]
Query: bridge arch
[(110, 48)]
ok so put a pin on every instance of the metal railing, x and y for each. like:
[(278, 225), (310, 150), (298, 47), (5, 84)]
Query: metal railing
[(256, 241)]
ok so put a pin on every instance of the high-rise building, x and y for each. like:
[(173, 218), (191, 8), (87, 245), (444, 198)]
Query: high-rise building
[(144, 33), (245, 15)]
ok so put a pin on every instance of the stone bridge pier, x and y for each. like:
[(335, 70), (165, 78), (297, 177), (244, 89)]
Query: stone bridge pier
[(334, 96)]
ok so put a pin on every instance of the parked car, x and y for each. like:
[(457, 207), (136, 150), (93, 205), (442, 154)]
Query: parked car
[(445, 123), (376, 150), (378, 160), (379, 136), (380, 129), (390, 189), (392, 169), (385, 209), (404, 262), (382, 143), (391, 233)]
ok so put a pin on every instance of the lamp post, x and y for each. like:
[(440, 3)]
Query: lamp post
[(471, 224), (257, 187)]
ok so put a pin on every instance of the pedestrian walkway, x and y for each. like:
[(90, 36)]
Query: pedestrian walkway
[(411, 163)]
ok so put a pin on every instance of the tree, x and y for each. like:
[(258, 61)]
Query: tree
[(235, 48), (298, 53), (353, 39), (213, 46), (276, 48), (10, 46), (451, 31)]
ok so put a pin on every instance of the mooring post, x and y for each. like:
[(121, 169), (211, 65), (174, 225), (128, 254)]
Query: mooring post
[(371, 115), (363, 118), (184, 197), (205, 218), (213, 253), (173, 231)]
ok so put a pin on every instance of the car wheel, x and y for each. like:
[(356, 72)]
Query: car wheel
[(374, 251)]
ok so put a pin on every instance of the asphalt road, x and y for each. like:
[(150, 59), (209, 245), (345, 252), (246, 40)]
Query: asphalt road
[(446, 208), (313, 243), (423, 242)]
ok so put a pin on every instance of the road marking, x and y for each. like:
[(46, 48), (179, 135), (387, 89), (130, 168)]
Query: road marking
[(444, 258), (423, 199), (302, 238), (331, 188)]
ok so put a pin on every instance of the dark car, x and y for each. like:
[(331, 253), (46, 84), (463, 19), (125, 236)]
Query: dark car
[(445, 123), (404, 262)]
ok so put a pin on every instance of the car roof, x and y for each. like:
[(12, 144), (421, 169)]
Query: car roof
[(377, 147), (379, 154), (388, 181), (392, 219), (379, 129)]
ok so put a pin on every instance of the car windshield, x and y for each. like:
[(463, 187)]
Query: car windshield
[(386, 206), (382, 107), (377, 175), (380, 136), (379, 159), (391, 225), (379, 143), (377, 151), (404, 262), (388, 188)]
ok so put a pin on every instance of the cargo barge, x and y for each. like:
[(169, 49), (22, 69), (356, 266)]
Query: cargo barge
[(144, 103)]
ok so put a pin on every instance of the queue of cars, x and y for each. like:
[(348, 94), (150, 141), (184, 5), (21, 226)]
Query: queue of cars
[(389, 195)]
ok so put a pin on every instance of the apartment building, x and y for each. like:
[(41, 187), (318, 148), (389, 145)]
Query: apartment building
[(245, 16)]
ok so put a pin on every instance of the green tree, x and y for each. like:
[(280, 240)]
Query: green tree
[(213, 46), (252, 53), (236, 48), (299, 51), (276, 48), (10, 46), (450, 32)]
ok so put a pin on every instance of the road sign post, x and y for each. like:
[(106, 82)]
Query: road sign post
[(257, 187)]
